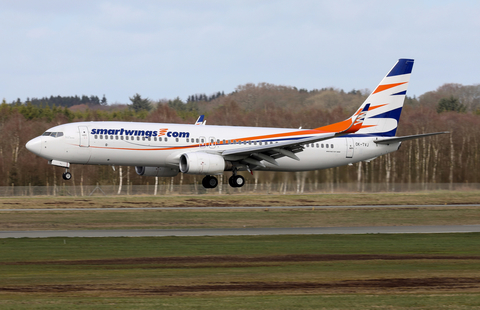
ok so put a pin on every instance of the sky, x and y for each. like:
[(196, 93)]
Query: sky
[(169, 49)]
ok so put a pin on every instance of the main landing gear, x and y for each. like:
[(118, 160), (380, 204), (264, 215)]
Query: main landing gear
[(212, 182), (236, 181), (209, 181)]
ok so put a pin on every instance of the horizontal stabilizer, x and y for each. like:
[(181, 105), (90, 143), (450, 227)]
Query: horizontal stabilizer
[(399, 139)]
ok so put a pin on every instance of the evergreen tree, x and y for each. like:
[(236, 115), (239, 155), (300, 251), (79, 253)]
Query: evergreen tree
[(177, 104), (140, 104), (450, 104)]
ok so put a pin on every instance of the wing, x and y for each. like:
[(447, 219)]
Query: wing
[(255, 154)]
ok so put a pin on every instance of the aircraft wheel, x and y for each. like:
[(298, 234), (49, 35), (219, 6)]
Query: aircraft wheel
[(209, 182), (236, 181), (67, 176)]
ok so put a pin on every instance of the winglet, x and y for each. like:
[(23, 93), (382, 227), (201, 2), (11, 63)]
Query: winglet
[(358, 121), (200, 120)]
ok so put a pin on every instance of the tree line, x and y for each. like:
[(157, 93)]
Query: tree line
[(65, 101), (452, 158)]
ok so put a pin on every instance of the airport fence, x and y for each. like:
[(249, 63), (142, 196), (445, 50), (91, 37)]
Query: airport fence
[(223, 189)]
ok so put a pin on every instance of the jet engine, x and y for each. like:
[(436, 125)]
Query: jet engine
[(156, 171), (202, 163)]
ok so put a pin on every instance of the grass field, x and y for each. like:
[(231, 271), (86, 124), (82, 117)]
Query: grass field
[(202, 201), (208, 218), (410, 271), (203, 217), (277, 272)]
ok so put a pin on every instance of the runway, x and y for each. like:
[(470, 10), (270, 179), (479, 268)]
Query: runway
[(242, 231)]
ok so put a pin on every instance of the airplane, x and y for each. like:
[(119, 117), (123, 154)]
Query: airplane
[(164, 150)]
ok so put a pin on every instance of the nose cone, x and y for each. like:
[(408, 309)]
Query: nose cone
[(35, 146)]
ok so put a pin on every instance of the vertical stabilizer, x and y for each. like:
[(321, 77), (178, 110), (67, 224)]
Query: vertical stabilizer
[(386, 101), (384, 105)]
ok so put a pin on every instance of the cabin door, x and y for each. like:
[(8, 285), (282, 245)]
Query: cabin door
[(84, 142), (350, 147)]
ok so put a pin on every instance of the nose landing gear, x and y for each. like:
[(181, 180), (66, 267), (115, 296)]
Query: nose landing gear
[(67, 175)]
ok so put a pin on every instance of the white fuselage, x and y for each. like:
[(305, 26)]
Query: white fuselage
[(161, 145)]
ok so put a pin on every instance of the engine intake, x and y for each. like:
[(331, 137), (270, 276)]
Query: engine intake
[(202, 163), (156, 171)]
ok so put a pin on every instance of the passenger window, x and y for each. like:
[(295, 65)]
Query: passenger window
[(317, 145), (326, 146), (197, 140), (166, 139), (101, 136), (121, 138), (188, 140), (96, 137), (203, 140), (331, 146), (176, 139), (160, 139), (322, 145), (138, 138), (116, 137)]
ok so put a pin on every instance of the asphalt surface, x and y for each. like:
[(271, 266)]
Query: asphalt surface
[(242, 231)]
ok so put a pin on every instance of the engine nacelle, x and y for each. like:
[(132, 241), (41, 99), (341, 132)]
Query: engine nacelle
[(156, 171), (202, 163)]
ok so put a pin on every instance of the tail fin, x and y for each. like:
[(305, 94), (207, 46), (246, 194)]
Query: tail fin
[(385, 103)]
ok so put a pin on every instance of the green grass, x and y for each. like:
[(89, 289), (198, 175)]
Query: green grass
[(306, 302), (57, 278), (208, 218), (26, 249), (401, 198), (126, 285)]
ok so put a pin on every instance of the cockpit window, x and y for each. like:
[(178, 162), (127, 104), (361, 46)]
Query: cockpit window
[(53, 134)]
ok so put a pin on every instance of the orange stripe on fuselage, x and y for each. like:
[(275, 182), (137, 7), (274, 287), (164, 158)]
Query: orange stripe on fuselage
[(145, 149)]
